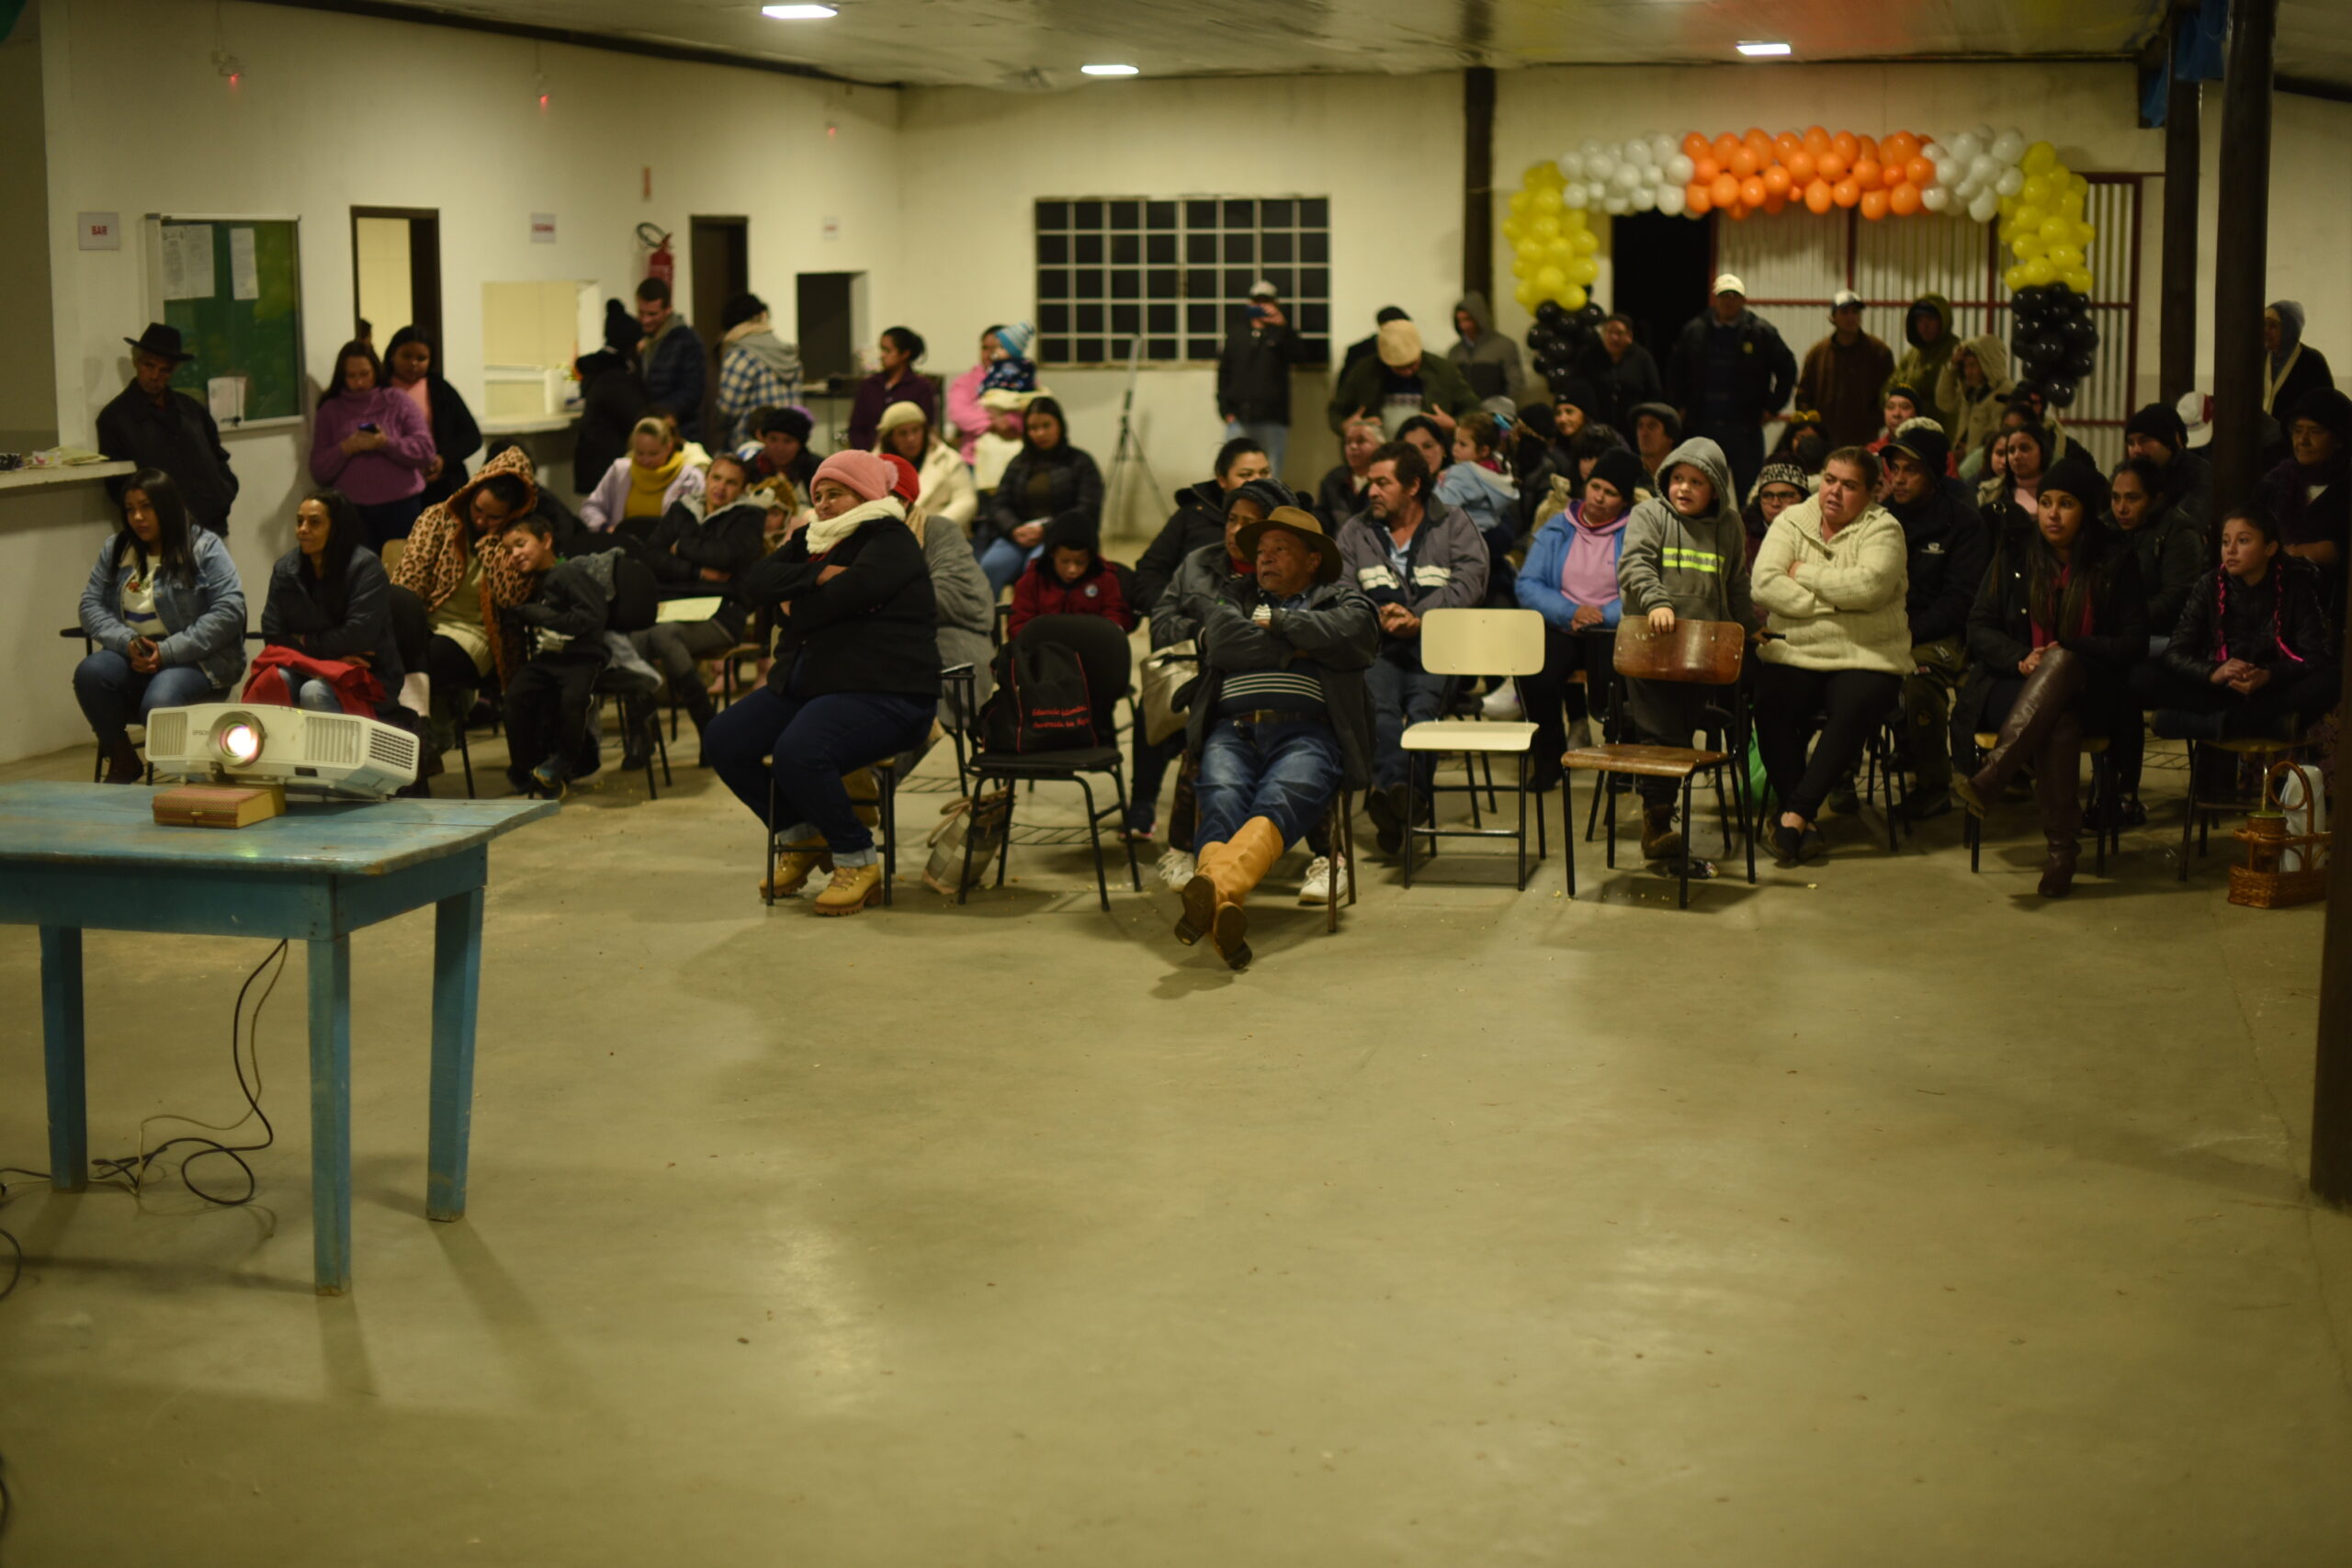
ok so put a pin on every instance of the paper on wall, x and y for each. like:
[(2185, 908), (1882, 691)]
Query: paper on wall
[(187, 261), (226, 397), (244, 277)]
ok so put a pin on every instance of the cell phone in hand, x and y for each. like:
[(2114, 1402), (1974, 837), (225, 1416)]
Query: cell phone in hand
[(369, 428)]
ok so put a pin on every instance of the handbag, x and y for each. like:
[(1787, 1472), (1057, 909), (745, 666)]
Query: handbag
[(979, 820), (1166, 673), (1041, 702)]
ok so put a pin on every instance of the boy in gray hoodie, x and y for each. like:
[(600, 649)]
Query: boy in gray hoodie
[(1685, 555)]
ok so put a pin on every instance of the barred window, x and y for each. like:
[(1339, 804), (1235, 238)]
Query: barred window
[(1173, 272)]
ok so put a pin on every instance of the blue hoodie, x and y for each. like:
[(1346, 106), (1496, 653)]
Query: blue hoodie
[(1539, 579)]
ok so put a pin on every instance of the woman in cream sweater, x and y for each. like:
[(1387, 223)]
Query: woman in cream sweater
[(1830, 577)]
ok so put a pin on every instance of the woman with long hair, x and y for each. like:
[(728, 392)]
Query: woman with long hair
[(166, 608), (414, 363), (2253, 647), (2057, 630), (1045, 478), (897, 382), (330, 600), (653, 477), (370, 440)]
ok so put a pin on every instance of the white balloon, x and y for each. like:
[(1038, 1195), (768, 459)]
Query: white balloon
[(2011, 182), (1644, 198), (1984, 207), (1984, 133), (1935, 199), (1984, 169), (1592, 144), (1601, 165), (1616, 205), (1663, 149), (1634, 150), (1669, 200), (1680, 169), (2009, 146), (1965, 148), (1571, 167), (1964, 191), (1936, 152), (1577, 194), (1628, 176)]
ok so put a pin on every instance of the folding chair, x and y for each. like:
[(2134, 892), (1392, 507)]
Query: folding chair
[(1475, 642), (1706, 653)]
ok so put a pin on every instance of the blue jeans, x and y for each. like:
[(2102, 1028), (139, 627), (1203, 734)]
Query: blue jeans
[(110, 691), (814, 742), (1287, 772), (319, 696), (1400, 695), (1274, 438), (1003, 560)]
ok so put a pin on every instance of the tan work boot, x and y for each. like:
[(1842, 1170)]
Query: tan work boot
[(793, 865), (851, 889), (1659, 840), (865, 795)]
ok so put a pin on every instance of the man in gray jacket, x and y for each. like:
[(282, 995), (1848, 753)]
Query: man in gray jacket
[(1685, 555), (1408, 555)]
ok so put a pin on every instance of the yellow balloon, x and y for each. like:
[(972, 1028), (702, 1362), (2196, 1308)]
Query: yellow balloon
[(2015, 277), (1559, 253), (2009, 204), (1522, 265), (1585, 241), (2039, 159), (1545, 174), (2084, 234), (1525, 294), (1547, 200), (1571, 298), (2056, 231), (2034, 192), (1522, 204), (2065, 258), (2029, 217), (2079, 280), (1584, 269), (1545, 225), (1550, 280), (1514, 229), (2037, 272), (2027, 246)]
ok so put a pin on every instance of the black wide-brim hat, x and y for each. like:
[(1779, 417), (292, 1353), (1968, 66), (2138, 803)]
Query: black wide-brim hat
[(162, 341)]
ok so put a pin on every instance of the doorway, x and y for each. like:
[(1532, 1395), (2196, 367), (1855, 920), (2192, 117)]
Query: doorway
[(718, 255), (826, 304), (1663, 267), (395, 271)]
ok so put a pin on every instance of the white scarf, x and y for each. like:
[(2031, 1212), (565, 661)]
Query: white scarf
[(827, 532)]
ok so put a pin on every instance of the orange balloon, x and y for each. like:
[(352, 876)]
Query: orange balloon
[(1788, 141), (1694, 146), (1726, 189), (1867, 173), (1816, 141), (1918, 171), (1832, 165), (1800, 164), (1845, 193), (1848, 146), (1697, 200), (1777, 179), (1904, 199), (1739, 215), (1741, 160), (1753, 190), (1726, 145), (1817, 197), (1773, 204), (1867, 146), (1760, 145), (1873, 204), (1704, 170), (1899, 148)]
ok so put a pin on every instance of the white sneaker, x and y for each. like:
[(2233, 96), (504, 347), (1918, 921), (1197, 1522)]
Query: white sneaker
[(1323, 873), (1175, 869), (1502, 703)]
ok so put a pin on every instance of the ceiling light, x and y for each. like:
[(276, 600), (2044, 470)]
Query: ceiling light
[(800, 13), (1110, 71), (1753, 50)]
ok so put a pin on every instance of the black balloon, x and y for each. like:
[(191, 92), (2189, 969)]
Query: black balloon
[(2059, 391), (1551, 313), (2079, 362)]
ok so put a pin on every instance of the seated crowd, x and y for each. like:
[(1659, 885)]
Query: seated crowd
[(1935, 561)]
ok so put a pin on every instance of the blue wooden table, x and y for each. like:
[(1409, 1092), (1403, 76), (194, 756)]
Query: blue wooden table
[(81, 857)]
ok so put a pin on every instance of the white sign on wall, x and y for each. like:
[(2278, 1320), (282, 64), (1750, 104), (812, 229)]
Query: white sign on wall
[(543, 227), (833, 228), (101, 231)]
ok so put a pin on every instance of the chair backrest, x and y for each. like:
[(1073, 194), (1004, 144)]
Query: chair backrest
[(411, 626), (1482, 642), (1102, 648), (1705, 653), (637, 596)]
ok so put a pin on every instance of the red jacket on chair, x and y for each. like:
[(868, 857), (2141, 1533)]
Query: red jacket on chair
[(278, 673)]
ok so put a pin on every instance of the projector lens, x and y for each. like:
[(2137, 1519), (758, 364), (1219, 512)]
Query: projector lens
[(240, 741)]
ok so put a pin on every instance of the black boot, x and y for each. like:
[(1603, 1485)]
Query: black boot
[(2048, 697), (2057, 791), (123, 766), (637, 721)]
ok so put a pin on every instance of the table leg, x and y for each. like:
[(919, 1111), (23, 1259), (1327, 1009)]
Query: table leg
[(457, 991), (329, 969), (60, 1023)]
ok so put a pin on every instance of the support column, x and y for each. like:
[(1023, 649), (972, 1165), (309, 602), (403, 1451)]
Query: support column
[(2240, 250), (2184, 148), (1477, 183), (2332, 1091)]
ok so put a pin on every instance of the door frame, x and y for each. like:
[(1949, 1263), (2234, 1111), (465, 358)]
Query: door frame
[(424, 268)]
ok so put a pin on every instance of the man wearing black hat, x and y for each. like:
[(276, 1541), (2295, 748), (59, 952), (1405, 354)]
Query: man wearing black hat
[(1948, 549), (2158, 433), (151, 425)]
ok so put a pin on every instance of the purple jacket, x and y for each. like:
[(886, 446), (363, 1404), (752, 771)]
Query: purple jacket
[(371, 478)]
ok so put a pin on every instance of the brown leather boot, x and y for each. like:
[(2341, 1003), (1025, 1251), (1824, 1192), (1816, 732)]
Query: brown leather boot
[(2048, 694), (2057, 792), (1251, 853), (123, 766)]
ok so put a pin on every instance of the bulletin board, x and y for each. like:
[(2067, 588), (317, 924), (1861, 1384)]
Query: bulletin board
[(234, 287)]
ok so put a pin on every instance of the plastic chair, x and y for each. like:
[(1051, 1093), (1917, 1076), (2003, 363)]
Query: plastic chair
[(1475, 642)]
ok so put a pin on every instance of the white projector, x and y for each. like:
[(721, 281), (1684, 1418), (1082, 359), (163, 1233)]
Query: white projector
[(334, 754)]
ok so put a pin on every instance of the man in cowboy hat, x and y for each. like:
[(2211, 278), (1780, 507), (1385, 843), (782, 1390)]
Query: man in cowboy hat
[(1279, 721), (151, 425)]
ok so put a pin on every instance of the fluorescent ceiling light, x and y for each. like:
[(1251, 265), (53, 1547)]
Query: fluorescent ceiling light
[(1747, 49), (1109, 71), (799, 13)]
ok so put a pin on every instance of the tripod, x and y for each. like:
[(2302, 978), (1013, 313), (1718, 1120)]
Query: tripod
[(1130, 447)]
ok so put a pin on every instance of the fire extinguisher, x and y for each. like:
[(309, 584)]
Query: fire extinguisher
[(662, 262)]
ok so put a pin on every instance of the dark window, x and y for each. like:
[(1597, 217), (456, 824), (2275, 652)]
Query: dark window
[(1193, 259)]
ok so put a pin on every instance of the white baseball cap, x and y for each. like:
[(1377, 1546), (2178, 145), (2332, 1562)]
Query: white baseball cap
[(2196, 411), (1262, 289), (1729, 283), (1844, 299)]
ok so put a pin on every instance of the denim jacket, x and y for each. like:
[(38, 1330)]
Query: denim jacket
[(204, 621)]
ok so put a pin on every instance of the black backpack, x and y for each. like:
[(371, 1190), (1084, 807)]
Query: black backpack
[(1041, 702)]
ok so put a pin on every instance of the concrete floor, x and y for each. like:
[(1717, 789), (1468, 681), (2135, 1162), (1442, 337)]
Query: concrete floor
[(1495, 1229)]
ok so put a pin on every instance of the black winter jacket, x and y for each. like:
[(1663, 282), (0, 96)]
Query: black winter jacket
[(872, 628), (1198, 576), (2278, 624), (1253, 372), (1338, 498), (1199, 520), (1621, 384), (179, 438), (1949, 549), (456, 437), (682, 544), (295, 616), (1765, 373), (1074, 484), (2170, 550), (570, 602), (2000, 632), (611, 400), (1336, 628)]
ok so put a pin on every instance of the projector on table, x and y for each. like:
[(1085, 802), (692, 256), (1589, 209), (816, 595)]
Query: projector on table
[(332, 754)]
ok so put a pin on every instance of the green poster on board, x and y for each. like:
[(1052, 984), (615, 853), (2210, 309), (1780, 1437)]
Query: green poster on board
[(233, 287)]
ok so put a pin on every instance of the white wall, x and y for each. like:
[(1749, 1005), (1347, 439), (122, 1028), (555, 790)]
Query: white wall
[(1387, 151), (27, 406), (2310, 224)]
